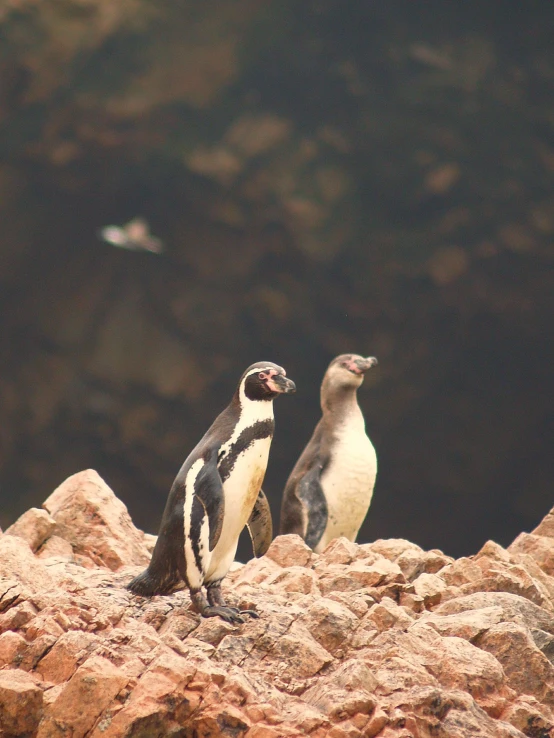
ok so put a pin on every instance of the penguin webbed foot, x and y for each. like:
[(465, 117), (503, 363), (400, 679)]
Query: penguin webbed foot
[(229, 614), (215, 607)]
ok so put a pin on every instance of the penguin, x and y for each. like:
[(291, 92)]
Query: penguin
[(329, 490), (215, 494)]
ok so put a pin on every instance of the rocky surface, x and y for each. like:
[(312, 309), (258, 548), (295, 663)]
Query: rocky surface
[(380, 639)]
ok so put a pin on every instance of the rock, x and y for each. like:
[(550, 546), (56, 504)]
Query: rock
[(362, 660), (538, 547), (294, 579), (468, 625), (12, 645), (56, 546), (431, 587), (290, 550), (514, 608), (391, 548), (527, 670), (17, 562), (546, 526), (20, 703), (86, 695), (95, 522), (462, 571), (60, 663), (330, 623), (34, 526), (340, 551), (299, 654), (530, 717)]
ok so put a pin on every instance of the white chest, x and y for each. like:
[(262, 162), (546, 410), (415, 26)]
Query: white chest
[(348, 482)]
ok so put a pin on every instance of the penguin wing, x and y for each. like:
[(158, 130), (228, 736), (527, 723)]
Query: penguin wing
[(260, 525), (310, 493), (208, 489)]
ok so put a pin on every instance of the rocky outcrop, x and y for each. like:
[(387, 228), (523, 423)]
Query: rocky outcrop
[(377, 639)]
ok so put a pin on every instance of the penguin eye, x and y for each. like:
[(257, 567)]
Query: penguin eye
[(262, 375)]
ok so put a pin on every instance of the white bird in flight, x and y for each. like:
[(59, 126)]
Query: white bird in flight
[(134, 235)]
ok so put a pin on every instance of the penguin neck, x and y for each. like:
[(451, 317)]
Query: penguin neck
[(252, 411), (340, 404)]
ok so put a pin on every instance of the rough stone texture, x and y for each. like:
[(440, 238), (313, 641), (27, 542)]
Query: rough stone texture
[(81, 656), (95, 522), (20, 703), (34, 526)]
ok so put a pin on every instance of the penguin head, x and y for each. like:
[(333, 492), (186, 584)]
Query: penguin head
[(347, 370), (265, 381)]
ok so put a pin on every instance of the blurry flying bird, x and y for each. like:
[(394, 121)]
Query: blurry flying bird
[(134, 235)]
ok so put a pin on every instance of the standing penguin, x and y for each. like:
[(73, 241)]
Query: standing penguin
[(215, 494), (329, 490)]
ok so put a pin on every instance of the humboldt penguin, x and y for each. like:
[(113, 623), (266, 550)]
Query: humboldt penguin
[(215, 494), (329, 490)]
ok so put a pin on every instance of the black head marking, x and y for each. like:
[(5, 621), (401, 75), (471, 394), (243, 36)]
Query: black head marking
[(265, 381)]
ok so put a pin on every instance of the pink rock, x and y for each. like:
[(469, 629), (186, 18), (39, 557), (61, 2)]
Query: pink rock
[(62, 660), (34, 526), (95, 522), (527, 670), (391, 548), (431, 587), (340, 551), (546, 526), (530, 717), (294, 579), (540, 548), (12, 646), (329, 623), (299, 654), (290, 550), (20, 703), (18, 563), (86, 695), (56, 546), (461, 572)]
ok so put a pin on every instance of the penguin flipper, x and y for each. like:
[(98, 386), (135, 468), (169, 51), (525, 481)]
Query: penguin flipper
[(208, 489), (311, 495), (260, 525)]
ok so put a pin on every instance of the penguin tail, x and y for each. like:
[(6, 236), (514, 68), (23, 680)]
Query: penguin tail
[(148, 584)]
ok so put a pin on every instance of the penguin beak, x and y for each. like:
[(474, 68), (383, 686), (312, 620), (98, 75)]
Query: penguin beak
[(280, 383), (362, 365)]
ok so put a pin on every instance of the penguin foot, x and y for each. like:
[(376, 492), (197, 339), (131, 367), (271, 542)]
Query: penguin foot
[(216, 607), (230, 614)]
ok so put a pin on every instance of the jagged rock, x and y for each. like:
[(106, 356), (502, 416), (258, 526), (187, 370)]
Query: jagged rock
[(86, 695), (20, 703), (290, 550), (80, 653), (538, 547), (95, 522), (430, 587), (18, 563), (34, 526)]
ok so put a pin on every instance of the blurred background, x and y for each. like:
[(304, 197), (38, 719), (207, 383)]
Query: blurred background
[(326, 177)]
